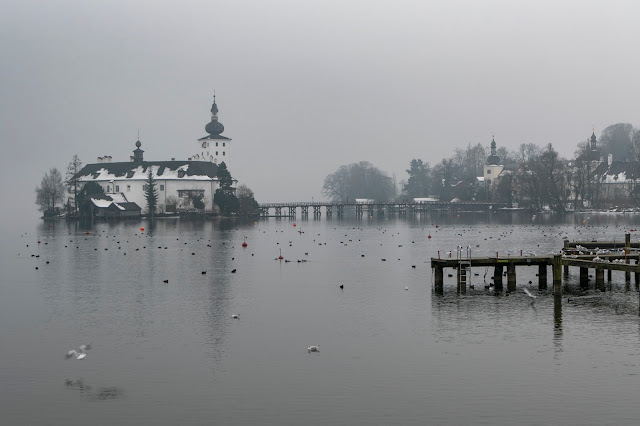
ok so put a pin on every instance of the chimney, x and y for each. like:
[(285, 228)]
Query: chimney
[(173, 159), (609, 159)]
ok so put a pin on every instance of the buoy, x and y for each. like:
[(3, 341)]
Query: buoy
[(87, 233), (429, 236), (141, 229), (436, 226), (294, 224)]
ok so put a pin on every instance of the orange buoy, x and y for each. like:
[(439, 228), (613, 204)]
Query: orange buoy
[(244, 244), (141, 229), (294, 224), (87, 233), (429, 237)]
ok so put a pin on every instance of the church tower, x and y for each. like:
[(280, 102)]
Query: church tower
[(214, 147), (594, 153)]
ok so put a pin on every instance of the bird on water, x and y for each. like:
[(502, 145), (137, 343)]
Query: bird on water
[(313, 348), (80, 353)]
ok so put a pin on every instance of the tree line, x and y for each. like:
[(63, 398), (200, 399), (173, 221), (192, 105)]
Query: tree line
[(534, 177)]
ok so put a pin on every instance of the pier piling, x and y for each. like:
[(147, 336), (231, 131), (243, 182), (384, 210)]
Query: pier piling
[(511, 277), (497, 277), (557, 275), (542, 277), (600, 279), (584, 278)]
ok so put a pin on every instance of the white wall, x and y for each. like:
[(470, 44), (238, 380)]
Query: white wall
[(171, 186)]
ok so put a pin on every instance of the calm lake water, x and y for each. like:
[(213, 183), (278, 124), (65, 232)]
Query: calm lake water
[(171, 353)]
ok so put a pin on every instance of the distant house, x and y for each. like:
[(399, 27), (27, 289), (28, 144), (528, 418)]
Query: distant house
[(616, 180)]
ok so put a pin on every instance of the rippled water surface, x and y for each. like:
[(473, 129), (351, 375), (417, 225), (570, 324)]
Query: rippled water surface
[(171, 353)]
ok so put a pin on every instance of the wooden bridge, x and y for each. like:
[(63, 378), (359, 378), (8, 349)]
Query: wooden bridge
[(582, 254), (289, 209)]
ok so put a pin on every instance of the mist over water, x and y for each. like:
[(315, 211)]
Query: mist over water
[(171, 353)]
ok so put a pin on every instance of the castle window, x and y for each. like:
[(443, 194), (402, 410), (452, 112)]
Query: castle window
[(117, 188), (223, 152), (488, 171), (224, 144), (216, 143), (216, 152), (161, 187), (144, 187)]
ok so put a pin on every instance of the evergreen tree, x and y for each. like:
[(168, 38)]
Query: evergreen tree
[(418, 183), (71, 179), (151, 193), (225, 197)]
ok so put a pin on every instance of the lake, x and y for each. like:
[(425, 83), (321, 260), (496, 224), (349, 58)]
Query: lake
[(391, 351)]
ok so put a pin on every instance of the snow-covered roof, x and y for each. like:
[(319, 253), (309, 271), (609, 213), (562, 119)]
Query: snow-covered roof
[(161, 170), (616, 172)]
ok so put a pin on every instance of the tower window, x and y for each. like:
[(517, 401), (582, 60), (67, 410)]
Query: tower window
[(216, 143), (223, 152), (216, 152), (224, 144)]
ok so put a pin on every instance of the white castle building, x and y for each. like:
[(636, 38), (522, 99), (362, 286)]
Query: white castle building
[(178, 182)]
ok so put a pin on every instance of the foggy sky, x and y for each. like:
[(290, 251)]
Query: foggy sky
[(306, 86)]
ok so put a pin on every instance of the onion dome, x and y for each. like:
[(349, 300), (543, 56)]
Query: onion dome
[(214, 127), (493, 159)]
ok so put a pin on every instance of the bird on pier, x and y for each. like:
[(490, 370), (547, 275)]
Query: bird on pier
[(80, 353)]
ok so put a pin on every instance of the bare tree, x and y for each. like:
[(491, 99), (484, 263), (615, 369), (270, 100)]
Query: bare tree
[(358, 180), (50, 192)]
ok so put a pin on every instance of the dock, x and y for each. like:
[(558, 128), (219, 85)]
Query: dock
[(596, 255)]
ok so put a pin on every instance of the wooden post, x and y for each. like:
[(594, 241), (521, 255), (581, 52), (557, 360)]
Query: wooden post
[(600, 279), (584, 277), (511, 277), (497, 277), (462, 281), (557, 275), (609, 275), (566, 270), (637, 276), (627, 246), (439, 280), (542, 277)]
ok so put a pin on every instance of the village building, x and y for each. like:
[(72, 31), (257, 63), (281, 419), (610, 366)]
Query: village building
[(182, 185)]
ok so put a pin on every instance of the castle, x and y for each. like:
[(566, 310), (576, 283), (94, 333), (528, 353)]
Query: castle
[(180, 184)]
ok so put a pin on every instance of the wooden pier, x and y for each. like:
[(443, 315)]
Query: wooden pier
[(370, 208), (587, 259)]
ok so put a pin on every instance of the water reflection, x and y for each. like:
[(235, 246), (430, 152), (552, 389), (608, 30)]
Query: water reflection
[(102, 393), (557, 324)]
